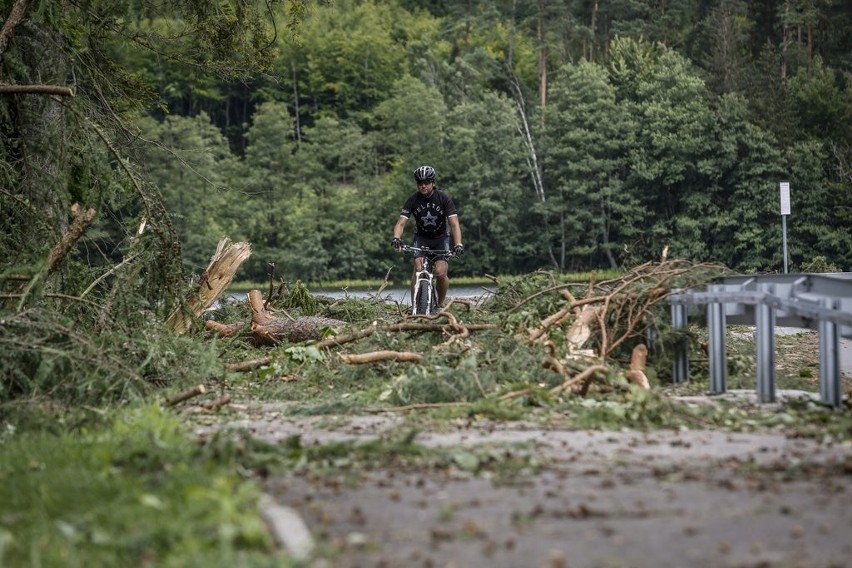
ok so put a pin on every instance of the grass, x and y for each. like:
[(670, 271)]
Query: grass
[(135, 491)]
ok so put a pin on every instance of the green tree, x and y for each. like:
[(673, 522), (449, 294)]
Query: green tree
[(190, 161), (348, 57), (820, 221), (411, 125), (269, 181), (484, 173), (735, 217), (669, 160), (589, 137)]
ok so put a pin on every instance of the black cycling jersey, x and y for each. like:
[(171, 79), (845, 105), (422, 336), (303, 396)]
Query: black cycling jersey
[(430, 213)]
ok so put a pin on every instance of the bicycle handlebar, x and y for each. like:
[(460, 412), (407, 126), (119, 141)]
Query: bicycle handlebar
[(434, 252)]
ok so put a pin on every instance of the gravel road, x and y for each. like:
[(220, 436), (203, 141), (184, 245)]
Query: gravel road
[(592, 500)]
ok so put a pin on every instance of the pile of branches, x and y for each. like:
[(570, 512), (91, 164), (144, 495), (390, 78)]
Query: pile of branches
[(591, 326)]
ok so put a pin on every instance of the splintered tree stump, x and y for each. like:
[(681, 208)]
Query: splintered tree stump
[(636, 374), (266, 329), (223, 265)]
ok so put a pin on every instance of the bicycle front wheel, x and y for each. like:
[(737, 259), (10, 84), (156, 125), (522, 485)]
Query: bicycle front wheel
[(423, 298)]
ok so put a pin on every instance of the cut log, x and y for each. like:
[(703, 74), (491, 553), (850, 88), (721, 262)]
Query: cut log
[(186, 395)]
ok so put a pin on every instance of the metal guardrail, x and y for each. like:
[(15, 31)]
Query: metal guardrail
[(822, 302)]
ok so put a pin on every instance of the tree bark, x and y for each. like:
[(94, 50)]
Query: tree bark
[(15, 18)]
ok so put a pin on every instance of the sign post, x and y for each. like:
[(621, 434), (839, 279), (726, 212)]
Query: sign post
[(785, 210)]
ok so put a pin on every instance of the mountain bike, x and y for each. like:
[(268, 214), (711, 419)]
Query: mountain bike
[(425, 295)]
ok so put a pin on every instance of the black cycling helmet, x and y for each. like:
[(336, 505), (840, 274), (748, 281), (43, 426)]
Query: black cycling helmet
[(424, 174)]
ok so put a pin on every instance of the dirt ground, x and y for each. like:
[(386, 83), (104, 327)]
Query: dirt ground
[(587, 499)]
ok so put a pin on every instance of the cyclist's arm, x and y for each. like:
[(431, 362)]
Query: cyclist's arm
[(455, 228), (399, 227)]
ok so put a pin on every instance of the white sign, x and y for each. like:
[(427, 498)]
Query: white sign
[(785, 198)]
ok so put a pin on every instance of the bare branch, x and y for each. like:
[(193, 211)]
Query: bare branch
[(38, 90), (186, 395), (375, 356)]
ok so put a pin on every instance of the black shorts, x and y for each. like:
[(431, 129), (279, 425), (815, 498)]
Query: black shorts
[(441, 243)]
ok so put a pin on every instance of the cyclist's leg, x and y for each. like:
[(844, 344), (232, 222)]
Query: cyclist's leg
[(418, 265), (442, 280), (441, 268)]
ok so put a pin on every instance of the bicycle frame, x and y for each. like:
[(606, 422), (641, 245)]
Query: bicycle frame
[(424, 298)]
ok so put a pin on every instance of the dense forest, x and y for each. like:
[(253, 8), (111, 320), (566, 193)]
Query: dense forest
[(572, 135)]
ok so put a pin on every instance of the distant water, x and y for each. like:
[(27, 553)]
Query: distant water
[(390, 294)]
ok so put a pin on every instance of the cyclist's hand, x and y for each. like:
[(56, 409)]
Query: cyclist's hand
[(397, 243), (458, 250)]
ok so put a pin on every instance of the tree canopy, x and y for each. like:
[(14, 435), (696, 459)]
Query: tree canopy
[(572, 135)]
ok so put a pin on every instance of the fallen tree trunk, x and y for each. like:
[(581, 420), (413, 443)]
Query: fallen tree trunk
[(266, 329), (252, 364)]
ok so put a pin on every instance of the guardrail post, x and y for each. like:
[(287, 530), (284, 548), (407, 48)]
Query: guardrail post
[(680, 367), (829, 358), (764, 315), (716, 348)]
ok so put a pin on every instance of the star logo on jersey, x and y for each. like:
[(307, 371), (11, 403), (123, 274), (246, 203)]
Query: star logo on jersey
[(429, 219)]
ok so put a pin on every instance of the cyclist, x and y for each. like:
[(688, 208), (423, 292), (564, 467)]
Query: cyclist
[(434, 212)]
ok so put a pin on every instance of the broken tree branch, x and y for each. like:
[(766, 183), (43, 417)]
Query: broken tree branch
[(186, 395), (375, 356), (224, 330), (404, 326), (249, 365), (580, 383), (82, 220), (218, 403)]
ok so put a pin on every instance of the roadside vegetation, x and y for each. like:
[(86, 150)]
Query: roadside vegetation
[(100, 468)]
